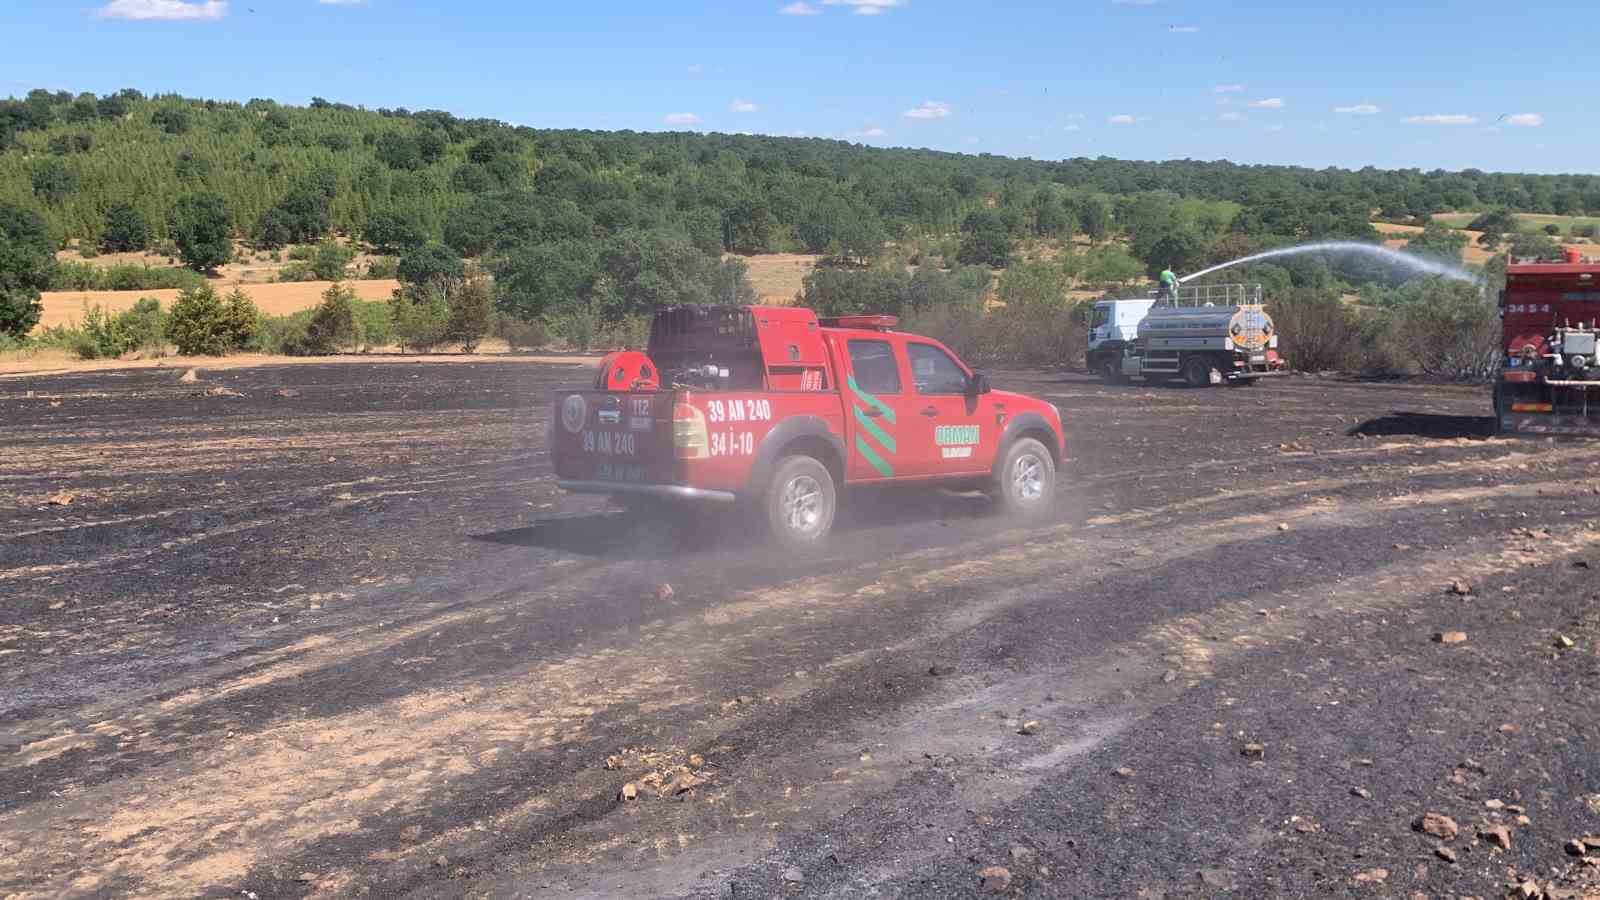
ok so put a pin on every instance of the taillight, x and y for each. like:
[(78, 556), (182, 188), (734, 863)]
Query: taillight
[(690, 439)]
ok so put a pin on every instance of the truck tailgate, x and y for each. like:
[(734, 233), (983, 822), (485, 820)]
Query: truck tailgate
[(613, 436)]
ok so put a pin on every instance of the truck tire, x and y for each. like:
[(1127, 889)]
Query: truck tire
[(1026, 481), (1197, 372), (1111, 370), (800, 503)]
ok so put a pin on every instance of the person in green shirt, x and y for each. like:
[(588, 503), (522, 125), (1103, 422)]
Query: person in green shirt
[(1169, 286)]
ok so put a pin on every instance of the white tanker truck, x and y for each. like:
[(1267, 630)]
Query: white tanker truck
[(1205, 334)]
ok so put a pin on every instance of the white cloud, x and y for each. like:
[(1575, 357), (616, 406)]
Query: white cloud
[(682, 118), (1441, 119), (869, 133), (800, 9), (1270, 103), (866, 7), (1228, 89), (1231, 117), (1076, 117), (1184, 29), (930, 109), (1274, 127), (743, 106), (1524, 120), (1122, 119), (165, 10), (1360, 109), (1070, 128)]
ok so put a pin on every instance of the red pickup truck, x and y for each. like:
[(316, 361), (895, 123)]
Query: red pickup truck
[(778, 409)]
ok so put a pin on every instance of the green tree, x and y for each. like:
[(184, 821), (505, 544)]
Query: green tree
[(990, 247), (27, 264), (52, 181), (1497, 221), (199, 323), (421, 317), (471, 313), (171, 120), (1094, 215), (1438, 242), (392, 232), (1535, 246), (200, 227), (331, 262), (432, 265), (333, 324), (241, 319), (125, 230), (533, 279)]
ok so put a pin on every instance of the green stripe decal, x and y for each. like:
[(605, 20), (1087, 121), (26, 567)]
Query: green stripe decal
[(871, 427), (868, 399), (872, 457)]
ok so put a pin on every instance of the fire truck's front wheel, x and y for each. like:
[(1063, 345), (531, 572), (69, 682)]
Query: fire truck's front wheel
[(1027, 479), (800, 503)]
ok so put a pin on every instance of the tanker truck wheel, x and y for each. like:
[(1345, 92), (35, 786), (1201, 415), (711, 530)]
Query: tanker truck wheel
[(1111, 370), (1197, 372)]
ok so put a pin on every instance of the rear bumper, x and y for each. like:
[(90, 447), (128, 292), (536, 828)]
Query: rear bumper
[(1577, 426), (675, 491)]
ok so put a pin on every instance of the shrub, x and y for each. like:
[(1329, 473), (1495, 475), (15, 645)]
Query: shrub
[(578, 327), (104, 336), (520, 335), (75, 276), (302, 252), (1450, 330), (331, 261), (988, 247), (1552, 229), (333, 324), (374, 324), (1317, 329), (199, 323), (421, 318), (285, 335), (471, 309), (383, 267), (296, 271)]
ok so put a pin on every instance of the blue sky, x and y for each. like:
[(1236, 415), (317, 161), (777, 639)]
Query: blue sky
[(1424, 83)]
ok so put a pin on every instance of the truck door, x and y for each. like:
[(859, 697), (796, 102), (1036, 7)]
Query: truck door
[(954, 429), (878, 410)]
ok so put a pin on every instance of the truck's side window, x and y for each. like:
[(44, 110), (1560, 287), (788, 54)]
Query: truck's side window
[(875, 368), (1102, 316), (934, 371)]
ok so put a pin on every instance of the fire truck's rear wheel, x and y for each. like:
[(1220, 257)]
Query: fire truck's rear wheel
[(1027, 479), (800, 503)]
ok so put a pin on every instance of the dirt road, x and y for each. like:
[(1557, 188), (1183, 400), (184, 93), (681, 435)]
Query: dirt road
[(338, 634)]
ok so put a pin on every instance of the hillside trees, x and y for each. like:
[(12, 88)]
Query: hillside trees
[(200, 227), (27, 260), (125, 230)]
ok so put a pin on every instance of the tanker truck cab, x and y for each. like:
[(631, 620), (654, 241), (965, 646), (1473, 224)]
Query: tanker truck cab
[(1206, 334), (775, 411), (1112, 332)]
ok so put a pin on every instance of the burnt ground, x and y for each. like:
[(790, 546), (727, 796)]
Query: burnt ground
[(340, 635)]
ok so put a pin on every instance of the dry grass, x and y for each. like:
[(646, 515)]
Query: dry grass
[(258, 267), (777, 277), (66, 307), (55, 360)]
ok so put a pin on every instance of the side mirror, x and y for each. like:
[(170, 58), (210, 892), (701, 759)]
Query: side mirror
[(979, 384)]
